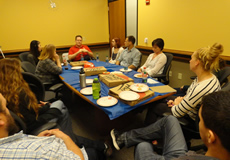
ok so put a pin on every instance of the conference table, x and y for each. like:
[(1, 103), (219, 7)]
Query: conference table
[(71, 80)]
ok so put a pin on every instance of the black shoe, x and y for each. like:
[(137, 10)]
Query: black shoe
[(118, 143)]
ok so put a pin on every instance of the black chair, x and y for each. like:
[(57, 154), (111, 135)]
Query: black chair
[(28, 67), (22, 126), (38, 88), (23, 56), (164, 77)]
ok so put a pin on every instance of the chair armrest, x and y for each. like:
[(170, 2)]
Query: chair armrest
[(193, 77), (167, 114), (47, 126), (158, 76), (56, 87)]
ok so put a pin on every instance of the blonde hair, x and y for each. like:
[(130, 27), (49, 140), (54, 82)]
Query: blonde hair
[(12, 85), (209, 56), (47, 52)]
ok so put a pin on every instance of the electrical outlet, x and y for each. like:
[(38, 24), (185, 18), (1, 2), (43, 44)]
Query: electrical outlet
[(83, 39), (146, 40), (179, 75), (170, 73)]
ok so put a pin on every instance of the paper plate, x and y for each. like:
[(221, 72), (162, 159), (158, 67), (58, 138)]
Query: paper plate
[(116, 72), (89, 81), (77, 67), (87, 91), (139, 87), (129, 95), (123, 70), (138, 75), (107, 101)]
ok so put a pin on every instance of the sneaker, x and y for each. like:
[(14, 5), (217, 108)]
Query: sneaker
[(118, 143)]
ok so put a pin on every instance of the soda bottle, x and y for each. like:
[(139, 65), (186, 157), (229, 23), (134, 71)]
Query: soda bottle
[(96, 89), (82, 58)]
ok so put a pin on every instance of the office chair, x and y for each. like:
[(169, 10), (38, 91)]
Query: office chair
[(23, 56), (38, 88), (164, 77), (22, 126), (28, 67)]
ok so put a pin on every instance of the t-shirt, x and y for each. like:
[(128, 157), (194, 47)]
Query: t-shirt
[(75, 49)]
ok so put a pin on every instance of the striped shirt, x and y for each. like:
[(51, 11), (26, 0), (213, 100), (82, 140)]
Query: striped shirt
[(189, 105), (22, 146)]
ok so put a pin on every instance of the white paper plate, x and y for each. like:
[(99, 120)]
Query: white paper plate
[(107, 101), (123, 70), (129, 95), (77, 67), (139, 87), (87, 91), (138, 75), (116, 72), (89, 81)]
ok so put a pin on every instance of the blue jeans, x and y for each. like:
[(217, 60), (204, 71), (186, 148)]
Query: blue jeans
[(168, 129)]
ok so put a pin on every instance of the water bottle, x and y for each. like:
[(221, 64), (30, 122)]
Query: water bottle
[(82, 58), (144, 77), (97, 57), (82, 78), (107, 60), (96, 89)]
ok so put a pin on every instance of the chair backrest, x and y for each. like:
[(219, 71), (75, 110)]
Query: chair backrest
[(222, 75), (35, 85), (30, 58), (23, 56), (28, 67), (19, 122), (167, 66)]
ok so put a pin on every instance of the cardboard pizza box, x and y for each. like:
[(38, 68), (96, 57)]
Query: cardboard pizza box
[(94, 70), (112, 80), (126, 87), (77, 63)]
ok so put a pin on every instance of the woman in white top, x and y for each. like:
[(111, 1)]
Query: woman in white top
[(202, 63), (156, 61), (116, 50)]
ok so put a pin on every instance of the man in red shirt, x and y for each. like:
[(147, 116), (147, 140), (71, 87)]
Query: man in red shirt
[(76, 51)]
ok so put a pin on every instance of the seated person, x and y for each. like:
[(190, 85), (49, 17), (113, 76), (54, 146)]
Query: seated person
[(214, 129), (156, 61), (202, 63), (49, 144), (49, 65), (131, 56), (35, 51), (79, 50), (116, 50)]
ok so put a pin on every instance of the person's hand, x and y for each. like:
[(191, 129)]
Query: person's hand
[(170, 103), (56, 56), (84, 50), (42, 103), (178, 100), (45, 133), (58, 133), (139, 70)]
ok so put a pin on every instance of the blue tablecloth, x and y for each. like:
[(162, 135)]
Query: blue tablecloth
[(72, 77)]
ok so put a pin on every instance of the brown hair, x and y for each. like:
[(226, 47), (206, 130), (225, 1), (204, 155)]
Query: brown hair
[(118, 43), (47, 52), (12, 85), (209, 56)]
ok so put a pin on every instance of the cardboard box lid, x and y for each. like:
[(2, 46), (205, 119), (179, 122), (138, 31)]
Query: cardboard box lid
[(126, 87), (163, 89), (94, 70), (77, 63)]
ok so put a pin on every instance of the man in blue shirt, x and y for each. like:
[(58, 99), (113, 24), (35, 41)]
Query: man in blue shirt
[(131, 56)]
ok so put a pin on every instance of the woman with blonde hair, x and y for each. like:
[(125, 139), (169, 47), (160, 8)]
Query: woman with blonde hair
[(49, 65), (202, 63)]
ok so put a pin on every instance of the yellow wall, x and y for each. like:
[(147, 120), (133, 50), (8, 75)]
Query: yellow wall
[(185, 25), (24, 20)]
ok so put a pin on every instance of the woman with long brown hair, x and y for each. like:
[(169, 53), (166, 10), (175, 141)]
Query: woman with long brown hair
[(22, 101), (117, 49)]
